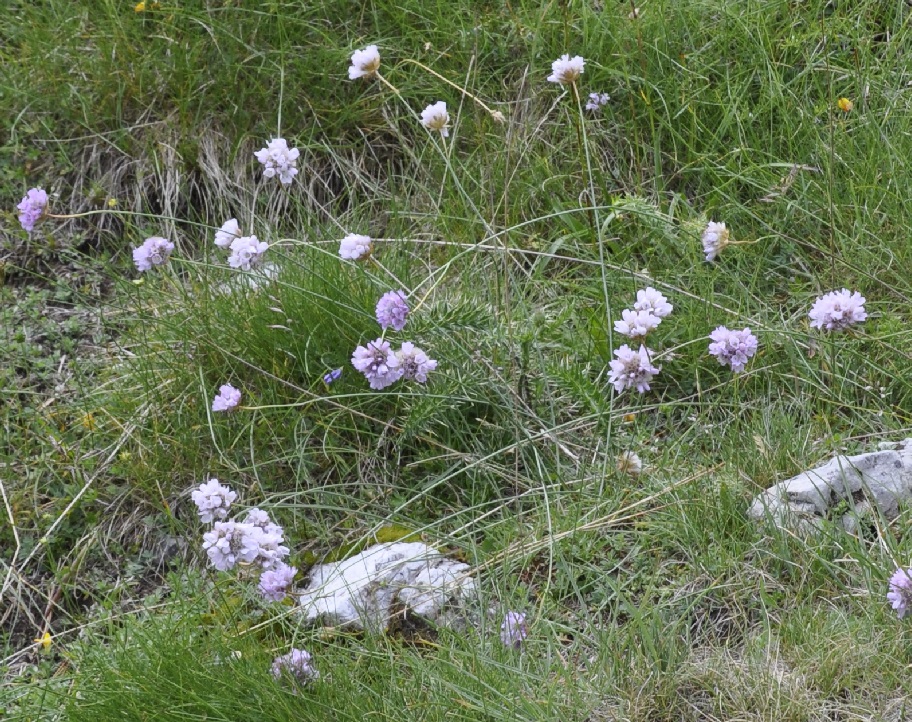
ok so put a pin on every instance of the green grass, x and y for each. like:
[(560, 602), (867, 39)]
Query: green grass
[(650, 597)]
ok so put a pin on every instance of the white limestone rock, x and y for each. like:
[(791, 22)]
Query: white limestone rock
[(881, 479), (395, 578)]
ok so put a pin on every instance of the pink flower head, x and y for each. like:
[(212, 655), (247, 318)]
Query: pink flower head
[(227, 399), (414, 363), (279, 160), (566, 70), (733, 348), (636, 324), (153, 252), (378, 363), (231, 543), (648, 299), (274, 583), (838, 310), (632, 369), (514, 631), (364, 63), (715, 238), (246, 252), (900, 593), (32, 208), (355, 247), (297, 665), (213, 500), (229, 231), (392, 310)]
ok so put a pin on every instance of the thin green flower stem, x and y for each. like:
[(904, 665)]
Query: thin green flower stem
[(602, 266), (391, 275), (496, 114)]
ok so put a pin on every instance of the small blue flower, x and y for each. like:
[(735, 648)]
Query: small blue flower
[(332, 376)]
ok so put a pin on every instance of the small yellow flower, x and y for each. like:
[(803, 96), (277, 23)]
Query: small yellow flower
[(142, 7), (845, 105), (112, 203), (88, 421), (44, 641)]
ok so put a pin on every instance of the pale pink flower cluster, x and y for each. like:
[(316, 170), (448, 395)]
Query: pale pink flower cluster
[(212, 500), (648, 311), (32, 208), (715, 237), (354, 247), (297, 665), (566, 70), (153, 252), (900, 592), (279, 160), (733, 348), (228, 233), (838, 310), (227, 398), (513, 630), (392, 310), (383, 367), (632, 369)]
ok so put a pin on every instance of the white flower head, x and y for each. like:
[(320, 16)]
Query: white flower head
[(436, 118), (279, 160), (227, 233), (715, 238), (566, 70), (629, 463), (636, 324), (355, 247), (648, 299), (246, 252), (212, 500), (365, 63)]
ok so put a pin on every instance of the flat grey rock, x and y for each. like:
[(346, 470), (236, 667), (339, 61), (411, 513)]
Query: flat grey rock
[(881, 479), (367, 590)]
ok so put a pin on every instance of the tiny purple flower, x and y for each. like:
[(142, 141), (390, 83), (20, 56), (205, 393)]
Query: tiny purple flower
[(297, 665), (332, 376), (378, 363), (213, 500), (632, 369), (733, 348), (153, 252), (32, 208), (392, 310), (597, 100), (414, 363), (274, 583), (838, 310), (514, 631), (900, 594), (227, 399)]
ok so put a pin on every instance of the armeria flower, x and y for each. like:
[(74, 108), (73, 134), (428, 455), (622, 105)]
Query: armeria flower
[(153, 252), (32, 208), (378, 363), (332, 376), (414, 363), (715, 238), (274, 583), (213, 500), (392, 310), (597, 100), (636, 324), (838, 310), (259, 518), (632, 369), (227, 399), (733, 348), (228, 233), (435, 117), (513, 630), (629, 463), (297, 665), (900, 593), (246, 252), (279, 160), (566, 70), (355, 247), (231, 543), (365, 63), (648, 299)]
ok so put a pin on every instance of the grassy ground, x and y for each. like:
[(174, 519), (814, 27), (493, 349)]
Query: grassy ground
[(649, 597)]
